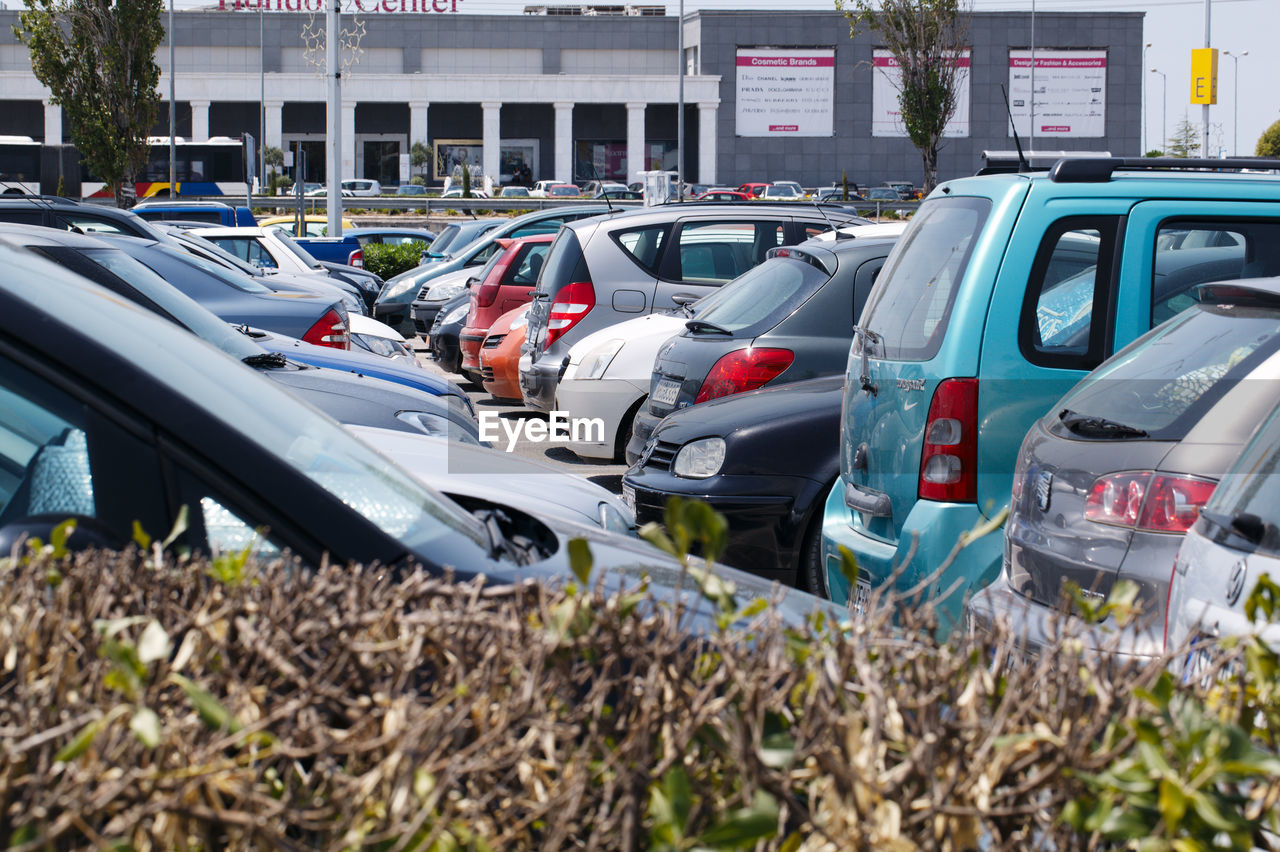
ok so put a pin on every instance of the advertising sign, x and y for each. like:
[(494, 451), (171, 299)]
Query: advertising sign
[(349, 7), (1071, 93), (786, 91), (886, 81)]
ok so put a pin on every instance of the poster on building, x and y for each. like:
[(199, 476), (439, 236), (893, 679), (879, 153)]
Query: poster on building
[(1071, 93), (786, 92), (886, 82)]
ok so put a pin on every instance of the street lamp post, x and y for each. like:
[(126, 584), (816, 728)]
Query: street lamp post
[(1145, 135), (1164, 109), (173, 113), (1235, 94)]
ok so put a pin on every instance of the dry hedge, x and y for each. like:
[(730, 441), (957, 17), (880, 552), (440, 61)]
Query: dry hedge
[(345, 708)]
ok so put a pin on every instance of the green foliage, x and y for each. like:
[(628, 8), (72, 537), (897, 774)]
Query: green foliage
[(273, 156), (844, 186), (925, 37), (388, 261), (1269, 142), (419, 154), (61, 190), (97, 57), (466, 181), (1185, 141)]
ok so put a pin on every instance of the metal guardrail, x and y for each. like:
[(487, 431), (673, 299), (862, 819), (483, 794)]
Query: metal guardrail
[(428, 205)]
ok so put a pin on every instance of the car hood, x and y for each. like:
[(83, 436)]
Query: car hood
[(644, 336), (495, 476)]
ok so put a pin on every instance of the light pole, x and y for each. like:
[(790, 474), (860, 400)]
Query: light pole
[(1145, 135), (1164, 110), (173, 113), (1235, 94)]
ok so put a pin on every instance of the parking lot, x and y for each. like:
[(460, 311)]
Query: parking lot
[(607, 475)]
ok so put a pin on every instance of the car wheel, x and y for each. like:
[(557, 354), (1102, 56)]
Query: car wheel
[(624, 430), (810, 575)]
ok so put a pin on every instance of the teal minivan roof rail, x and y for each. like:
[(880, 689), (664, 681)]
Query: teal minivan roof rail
[(1100, 169)]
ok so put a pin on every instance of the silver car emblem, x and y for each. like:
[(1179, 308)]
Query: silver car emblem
[(1235, 582), (1043, 487)]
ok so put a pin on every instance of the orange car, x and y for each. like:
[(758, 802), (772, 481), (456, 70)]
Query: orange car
[(500, 355)]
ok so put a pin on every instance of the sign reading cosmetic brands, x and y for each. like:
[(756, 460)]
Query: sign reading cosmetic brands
[(1071, 93), (786, 92), (886, 82), (349, 7)]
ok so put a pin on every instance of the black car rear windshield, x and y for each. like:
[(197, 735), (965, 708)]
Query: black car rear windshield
[(1163, 382), (565, 264), (909, 307), (760, 297)]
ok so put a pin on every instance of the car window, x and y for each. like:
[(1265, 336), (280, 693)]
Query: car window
[(1190, 253), (526, 268), (717, 252), (182, 270), (247, 249), (773, 289), (91, 225), (643, 245), (1253, 487), (909, 308), (44, 451), (1065, 290)]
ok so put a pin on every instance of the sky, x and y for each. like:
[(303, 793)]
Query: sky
[(1172, 27)]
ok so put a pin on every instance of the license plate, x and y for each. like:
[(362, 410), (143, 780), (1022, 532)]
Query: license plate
[(666, 392), (629, 497), (861, 594)]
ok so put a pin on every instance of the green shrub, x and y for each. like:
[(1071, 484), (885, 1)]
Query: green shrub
[(388, 261)]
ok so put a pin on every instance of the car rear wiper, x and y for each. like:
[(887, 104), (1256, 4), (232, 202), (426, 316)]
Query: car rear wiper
[(1097, 427), (267, 359), (698, 325)]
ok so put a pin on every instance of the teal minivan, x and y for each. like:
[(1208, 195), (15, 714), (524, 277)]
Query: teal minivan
[(1004, 291)]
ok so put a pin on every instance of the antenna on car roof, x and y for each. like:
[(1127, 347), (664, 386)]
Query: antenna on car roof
[(1023, 165), (595, 176), (818, 206)]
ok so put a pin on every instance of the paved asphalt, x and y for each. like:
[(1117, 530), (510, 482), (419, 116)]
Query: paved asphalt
[(607, 475)]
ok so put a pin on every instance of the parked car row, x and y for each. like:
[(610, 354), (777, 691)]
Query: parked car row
[(1093, 348)]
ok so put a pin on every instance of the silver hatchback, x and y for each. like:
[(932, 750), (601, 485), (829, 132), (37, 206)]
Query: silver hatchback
[(602, 271), (1108, 482)]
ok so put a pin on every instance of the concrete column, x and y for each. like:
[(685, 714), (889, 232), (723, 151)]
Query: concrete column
[(348, 141), (274, 130), (636, 160), (52, 124), (564, 142), (707, 143), (491, 158), (199, 120)]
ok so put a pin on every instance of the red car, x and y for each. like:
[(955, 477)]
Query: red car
[(500, 356), (754, 190), (723, 195), (506, 282)]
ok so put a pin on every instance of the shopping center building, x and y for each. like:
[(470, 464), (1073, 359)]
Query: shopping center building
[(559, 94)]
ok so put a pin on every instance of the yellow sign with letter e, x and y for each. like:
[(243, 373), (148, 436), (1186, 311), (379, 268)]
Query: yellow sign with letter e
[(1204, 75)]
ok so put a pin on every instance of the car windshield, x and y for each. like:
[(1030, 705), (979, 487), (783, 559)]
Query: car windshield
[(254, 407), (775, 288), (161, 254), (298, 250), (1163, 382), (911, 301)]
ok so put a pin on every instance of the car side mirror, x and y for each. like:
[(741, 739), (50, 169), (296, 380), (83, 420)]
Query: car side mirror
[(683, 299)]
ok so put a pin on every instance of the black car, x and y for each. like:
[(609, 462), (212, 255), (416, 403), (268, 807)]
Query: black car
[(446, 332), (119, 419), (344, 396), (765, 460), (67, 215), (788, 319)]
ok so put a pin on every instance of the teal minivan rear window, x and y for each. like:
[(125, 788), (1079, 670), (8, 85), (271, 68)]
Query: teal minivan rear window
[(908, 310)]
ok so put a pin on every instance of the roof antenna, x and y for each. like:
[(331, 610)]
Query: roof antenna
[(1023, 165), (595, 176)]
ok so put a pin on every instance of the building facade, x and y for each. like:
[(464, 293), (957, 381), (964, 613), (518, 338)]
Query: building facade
[(580, 97)]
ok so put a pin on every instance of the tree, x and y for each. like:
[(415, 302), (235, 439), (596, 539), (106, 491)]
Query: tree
[(926, 37), (1185, 141), (1269, 142), (97, 57), (419, 155)]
